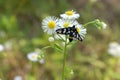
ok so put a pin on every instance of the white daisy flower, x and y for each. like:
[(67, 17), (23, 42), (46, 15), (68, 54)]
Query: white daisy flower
[(33, 56), (81, 30), (50, 24), (114, 49), (1, 47), (18, 78), (70, 15), (51, 39), (65, 23)]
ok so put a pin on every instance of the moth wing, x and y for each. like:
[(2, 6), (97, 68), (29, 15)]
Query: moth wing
[(77, 36), (65, 31)]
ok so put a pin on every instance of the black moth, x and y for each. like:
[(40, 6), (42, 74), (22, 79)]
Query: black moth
[(71, 31)]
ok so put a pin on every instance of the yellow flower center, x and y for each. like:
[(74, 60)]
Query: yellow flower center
[(33, 56), (66, 24), (51, 24), (69, 13), (78, 29)]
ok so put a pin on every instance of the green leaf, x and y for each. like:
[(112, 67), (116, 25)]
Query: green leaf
[(45, 47), (58, 48)]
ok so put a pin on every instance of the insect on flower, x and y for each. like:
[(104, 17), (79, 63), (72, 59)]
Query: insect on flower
[(71, 31)]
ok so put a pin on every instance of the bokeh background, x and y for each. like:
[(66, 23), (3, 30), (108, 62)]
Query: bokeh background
[(21, 33)]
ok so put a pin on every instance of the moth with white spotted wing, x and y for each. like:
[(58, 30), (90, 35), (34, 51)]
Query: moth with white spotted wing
[(71, 31)]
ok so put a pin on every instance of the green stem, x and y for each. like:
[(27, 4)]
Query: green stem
[(64, 61), (91, 22), (32, 68)]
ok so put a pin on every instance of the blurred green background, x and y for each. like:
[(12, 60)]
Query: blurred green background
[(21, 33)]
